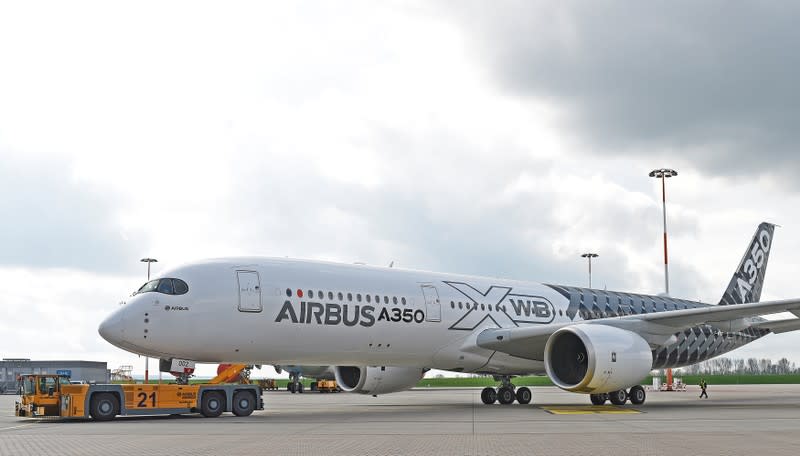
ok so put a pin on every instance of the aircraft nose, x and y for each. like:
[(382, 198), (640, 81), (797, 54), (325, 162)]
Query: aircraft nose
[(112, 329)]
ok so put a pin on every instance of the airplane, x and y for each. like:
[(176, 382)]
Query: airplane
[(383, 328)]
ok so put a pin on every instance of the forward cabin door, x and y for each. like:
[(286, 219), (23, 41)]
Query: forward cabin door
[(249, 291), (433, 308)]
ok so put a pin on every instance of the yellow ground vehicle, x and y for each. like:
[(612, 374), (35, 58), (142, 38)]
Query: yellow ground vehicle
[(54, 396), (327, 386)]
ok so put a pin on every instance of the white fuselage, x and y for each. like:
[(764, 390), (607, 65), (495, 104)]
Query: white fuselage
[(281, 311)]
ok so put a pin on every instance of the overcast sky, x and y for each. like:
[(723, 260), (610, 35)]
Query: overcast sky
[(491, 138)]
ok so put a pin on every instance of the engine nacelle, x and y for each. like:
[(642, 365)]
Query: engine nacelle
[(377, 379), (591, 358)]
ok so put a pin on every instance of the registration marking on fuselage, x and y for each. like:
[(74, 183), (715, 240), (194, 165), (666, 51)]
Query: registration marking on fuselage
[(587, 409)]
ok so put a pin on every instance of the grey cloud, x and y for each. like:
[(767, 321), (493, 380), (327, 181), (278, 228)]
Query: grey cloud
[(446, 213), (50, 220), (714, 83)]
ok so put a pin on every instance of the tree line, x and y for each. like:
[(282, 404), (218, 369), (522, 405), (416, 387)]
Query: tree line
[(741, 366)]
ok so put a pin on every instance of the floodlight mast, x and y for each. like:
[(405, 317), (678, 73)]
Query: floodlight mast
[(663, 174), (147, 359), (589, 256)]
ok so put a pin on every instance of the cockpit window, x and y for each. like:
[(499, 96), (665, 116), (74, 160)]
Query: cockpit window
[(180, 286), (165, 286), (149, 286)]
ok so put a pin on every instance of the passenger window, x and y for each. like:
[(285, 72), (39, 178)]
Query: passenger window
[(350, 297), (394, 300), (165, 286), (403, 300), (330, 295), (180, 286), (358, 297), (289, 292), (386, 300), (341, 298), (369, 298)]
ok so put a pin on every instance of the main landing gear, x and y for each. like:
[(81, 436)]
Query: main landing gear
[(294, 385), (636, 395), (506, 393)]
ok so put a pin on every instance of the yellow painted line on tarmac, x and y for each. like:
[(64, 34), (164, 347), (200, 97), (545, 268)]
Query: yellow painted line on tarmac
[(588, 410)]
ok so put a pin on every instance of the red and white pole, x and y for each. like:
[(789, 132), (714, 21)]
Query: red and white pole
[(664, 173), (664, 212)]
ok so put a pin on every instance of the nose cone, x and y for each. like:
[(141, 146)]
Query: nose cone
[(112, 329)]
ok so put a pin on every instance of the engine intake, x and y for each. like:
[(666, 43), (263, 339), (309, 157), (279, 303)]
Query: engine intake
[(377, 379), (592, 358)]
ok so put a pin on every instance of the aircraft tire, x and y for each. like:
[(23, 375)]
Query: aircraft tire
[(618, 397), (212, 404), (637, 395), (243, 403), (598, 399), (292, 388), (105, 407), (489, 396), (524, 395), (300, 387), (505, 395)]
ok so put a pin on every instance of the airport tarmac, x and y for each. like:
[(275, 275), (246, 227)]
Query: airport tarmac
[(752, 419)]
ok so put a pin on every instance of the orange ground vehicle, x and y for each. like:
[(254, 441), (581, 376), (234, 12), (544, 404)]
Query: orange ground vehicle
[(54, 396)]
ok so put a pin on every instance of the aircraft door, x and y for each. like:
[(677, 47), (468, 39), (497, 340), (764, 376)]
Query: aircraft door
[(249, 291), (433, 308)]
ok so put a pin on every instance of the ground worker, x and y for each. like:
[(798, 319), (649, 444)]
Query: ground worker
[(703, 386)]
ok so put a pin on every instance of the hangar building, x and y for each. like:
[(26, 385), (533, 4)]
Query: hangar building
[(87, 371)]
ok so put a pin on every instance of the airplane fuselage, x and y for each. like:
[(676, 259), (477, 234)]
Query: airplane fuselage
[(281, 311)]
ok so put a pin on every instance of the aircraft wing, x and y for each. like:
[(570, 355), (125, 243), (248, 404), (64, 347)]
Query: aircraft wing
[(656, 328)]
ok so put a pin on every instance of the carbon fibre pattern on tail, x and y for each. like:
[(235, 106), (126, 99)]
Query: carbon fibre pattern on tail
[(748, 279)]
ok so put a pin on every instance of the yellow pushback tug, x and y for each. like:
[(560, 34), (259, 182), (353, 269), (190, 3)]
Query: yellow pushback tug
[(54, 396)]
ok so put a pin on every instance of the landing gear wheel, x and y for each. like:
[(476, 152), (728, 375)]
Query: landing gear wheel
[(314, 386), (505, 395), (105, 407), (212, 404), (618, 397), (243, 403), (598, 399), (292, 387), (637, 395), (524, 395), (488, 396), (300, 387)]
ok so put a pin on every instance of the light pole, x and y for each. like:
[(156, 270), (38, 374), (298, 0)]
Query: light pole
[(663, 174), (590, 256), (147, 359)]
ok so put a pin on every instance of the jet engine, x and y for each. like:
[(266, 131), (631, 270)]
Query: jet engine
[(377, 379), (592, 358)]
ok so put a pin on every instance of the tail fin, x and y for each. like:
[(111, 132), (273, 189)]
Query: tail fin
[(748, 279)]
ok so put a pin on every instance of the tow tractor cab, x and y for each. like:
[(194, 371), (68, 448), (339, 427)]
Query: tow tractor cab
[(54, 396)]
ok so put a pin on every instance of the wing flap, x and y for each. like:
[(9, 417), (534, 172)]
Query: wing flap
[(780, 326)]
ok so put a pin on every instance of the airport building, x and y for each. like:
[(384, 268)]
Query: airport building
[(87, 371)]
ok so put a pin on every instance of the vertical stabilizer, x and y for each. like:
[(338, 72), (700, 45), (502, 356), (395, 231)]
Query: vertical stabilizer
[(748, 279)]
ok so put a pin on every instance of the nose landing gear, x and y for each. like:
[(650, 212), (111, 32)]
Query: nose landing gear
[(506, 393)]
